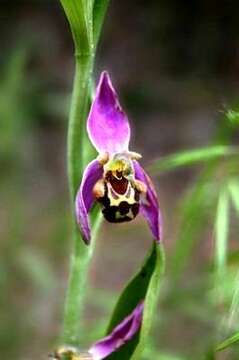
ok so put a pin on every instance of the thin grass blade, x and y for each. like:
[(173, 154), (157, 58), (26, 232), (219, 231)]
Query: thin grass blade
[(228, 342), (234, 191), (192, 157), (221, 234)]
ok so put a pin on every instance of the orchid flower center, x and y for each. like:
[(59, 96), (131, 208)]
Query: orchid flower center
[(118, 191)]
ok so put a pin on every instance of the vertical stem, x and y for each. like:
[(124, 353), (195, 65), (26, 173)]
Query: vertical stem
[(81, 22), (78, 113), (81, 253), (76, 284)]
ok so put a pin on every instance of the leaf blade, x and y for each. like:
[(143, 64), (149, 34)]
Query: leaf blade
[(228, 342), (221, 233), (234, 191), (145, 285), (99, 11), (192, 157)]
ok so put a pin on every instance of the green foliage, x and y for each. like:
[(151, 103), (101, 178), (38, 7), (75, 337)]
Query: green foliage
[(78, 16), (221, 233), (233, 117), (99, 11), (234, 190), (85, 18), (228, 342), (143, 287), (192, 157), (209, 195), (232, 318)]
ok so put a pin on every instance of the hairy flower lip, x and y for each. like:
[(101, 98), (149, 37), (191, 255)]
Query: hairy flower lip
[(109, 131)]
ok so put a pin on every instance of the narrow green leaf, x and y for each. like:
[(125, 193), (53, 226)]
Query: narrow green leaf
[(234, 308), (144, 286), (234, 190), (221, 233), (192, 157), (99, 10), (151, 300), (77, 16), (228, 342)]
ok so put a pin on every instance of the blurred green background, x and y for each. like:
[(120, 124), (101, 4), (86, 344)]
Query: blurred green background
[(175, 65)]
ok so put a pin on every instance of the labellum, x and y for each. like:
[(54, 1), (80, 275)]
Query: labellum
[(119, 192)]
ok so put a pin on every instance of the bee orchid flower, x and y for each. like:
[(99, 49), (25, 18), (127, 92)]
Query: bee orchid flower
[(120, 335), (115, 179)]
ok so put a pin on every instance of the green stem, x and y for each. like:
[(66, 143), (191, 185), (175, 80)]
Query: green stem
[(78, 113), (81, 253), (82, 17), (73, 302)]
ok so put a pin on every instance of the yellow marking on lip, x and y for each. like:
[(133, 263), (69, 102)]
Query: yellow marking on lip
[(119, 164), (115, 202)]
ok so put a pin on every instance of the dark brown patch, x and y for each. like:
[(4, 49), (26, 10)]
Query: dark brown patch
[(135, 209), (124, 208), (118, 184), (137, 195)]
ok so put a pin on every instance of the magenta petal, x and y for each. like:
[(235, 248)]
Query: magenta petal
[(120, 334), (150, 207), (107, 124), (84, 198)]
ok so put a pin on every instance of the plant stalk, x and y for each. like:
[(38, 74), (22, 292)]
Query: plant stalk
[(76, 134), (85, 20)]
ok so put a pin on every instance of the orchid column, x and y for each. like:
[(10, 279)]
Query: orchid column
[(85, 18)]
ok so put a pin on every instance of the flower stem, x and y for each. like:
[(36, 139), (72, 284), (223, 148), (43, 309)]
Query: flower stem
[(78, 113), (81, 253), (85, 19)]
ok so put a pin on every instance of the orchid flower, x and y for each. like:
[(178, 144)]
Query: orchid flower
[(115, 178), (120, 335)]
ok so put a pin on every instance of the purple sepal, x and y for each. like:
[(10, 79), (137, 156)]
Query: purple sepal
[(119, 336), (150, 206), (84, 198), (107, 124)]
